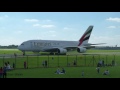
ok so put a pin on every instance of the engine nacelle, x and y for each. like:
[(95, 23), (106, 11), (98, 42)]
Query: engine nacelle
[(62, 51), (81, 49)]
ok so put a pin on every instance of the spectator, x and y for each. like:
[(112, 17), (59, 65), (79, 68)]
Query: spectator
[(100, 63), (106, 72), (23, 53), (74, 63), (98, 69), (113, 62), (68, 64), (4, 72), (13, 65), (15, 54), (103, 63), (45, 63), (57, 71), (63, 71), (82, 73), (5, 64), (1, 72), (8, 67), (25, 65), (52, 58)]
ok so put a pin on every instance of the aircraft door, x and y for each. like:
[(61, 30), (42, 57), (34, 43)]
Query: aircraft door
[(31, 45)]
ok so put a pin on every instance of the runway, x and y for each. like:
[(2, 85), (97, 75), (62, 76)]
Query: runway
[(20, 55)]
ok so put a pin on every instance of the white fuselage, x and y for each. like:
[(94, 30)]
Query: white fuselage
[(60, 46), (42, 45)]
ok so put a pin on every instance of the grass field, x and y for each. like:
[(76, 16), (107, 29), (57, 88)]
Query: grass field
[(85, 63)]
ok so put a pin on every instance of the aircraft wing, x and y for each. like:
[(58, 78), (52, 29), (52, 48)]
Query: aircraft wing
[(87, 46), (93, 44), (55, 49)]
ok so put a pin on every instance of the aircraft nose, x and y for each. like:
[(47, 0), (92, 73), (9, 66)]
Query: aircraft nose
[(19, 47)]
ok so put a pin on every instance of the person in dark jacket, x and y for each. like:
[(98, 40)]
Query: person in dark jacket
[(4, 72), (1, 72)]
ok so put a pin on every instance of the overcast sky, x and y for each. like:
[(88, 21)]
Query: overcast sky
[(16, 27)]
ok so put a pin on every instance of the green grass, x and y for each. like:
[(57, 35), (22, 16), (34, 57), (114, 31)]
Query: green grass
[(84, 63), (12, 51), (71, 72)]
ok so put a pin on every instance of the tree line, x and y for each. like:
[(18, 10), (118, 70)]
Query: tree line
[(9, 47)]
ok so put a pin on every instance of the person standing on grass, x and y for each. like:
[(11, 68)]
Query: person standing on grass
[(52, 58), (15, 54), (13, 65), (113, 62), (45, 63), (82, 73), (1, 72), (25, 64), (98, 69), (4, 72), (74, 62), (103, 63)]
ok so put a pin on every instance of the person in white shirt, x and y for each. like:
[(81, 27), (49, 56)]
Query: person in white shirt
[(82, 73), (58, 71), (106, 72)]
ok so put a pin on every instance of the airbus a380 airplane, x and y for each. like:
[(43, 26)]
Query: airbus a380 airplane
[(61, 47)]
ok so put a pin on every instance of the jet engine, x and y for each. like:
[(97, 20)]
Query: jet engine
[(62, 51), (81, 49)]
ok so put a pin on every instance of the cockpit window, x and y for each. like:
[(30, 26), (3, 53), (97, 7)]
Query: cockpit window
[(22, 44)]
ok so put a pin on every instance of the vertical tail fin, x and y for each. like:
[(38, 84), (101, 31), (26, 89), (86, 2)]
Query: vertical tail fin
[(85, 37)]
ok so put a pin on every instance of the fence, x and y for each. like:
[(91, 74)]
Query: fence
[(37, 61)]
